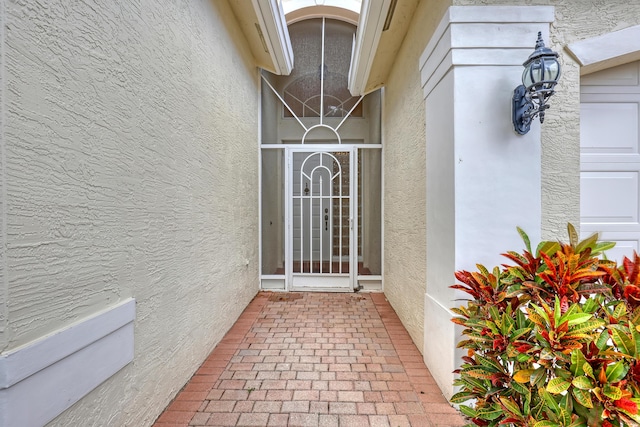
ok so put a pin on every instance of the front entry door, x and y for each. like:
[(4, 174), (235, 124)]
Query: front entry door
[(321, 219)]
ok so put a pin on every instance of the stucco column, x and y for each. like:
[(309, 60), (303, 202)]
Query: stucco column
[(483, 180)]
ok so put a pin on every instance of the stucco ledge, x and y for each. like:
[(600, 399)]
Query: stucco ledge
[(607, 50)]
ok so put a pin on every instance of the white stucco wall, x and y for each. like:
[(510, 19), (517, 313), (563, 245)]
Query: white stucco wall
[(129, 169), (575, 20), (404, 172)]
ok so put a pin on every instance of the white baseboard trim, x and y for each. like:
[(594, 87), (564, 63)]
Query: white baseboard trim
[(40, 380), (439, 343)]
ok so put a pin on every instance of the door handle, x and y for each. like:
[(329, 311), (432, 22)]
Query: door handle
[(326, 219)]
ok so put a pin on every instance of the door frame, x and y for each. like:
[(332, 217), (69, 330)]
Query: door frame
[(334, 282)]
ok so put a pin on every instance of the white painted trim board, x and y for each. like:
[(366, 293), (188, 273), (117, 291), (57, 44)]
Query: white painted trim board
[(40, 380)]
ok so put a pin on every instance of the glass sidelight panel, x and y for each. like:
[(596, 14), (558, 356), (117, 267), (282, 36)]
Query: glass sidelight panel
[(273, 230), (369, 209)]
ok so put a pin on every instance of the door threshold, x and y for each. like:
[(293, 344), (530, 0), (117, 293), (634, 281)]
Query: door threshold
[(320, 289)]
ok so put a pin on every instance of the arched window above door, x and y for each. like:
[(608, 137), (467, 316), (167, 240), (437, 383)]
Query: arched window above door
[(306, 90), (314, 100)]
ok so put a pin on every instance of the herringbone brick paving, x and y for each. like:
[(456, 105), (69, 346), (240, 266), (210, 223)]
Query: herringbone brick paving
[(313, 359)]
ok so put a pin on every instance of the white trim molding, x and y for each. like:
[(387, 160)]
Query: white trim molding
[(372, 17), (608, 50), (469, 70), (483, 35), (275, 34), (40, 380)]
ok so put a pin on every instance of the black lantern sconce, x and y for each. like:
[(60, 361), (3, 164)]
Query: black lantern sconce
[(541, 73)]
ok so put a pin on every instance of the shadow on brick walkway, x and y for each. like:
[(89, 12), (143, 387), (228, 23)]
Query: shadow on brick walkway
[(313, 359)]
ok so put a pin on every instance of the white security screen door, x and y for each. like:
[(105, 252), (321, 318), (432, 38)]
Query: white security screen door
[(322, 221), (321, 163)]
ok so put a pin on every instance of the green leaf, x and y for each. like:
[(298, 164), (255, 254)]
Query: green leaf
[(573, 308), (623, 342), (590, 305), (468, 411), (562, 373), (548, 248), (613, 393), (523, 357), (620, 310), (601, 342), (537, 409), (522, 321), (507, 323), (550, 401), (583, 383), (489, 413), (573, 235), (616, 372), (587, 243), (546, 423), (525, 238), (474, 383), (538, 377), (591, 325), (511, 406), (579, 422), (540, 312), (518, 333), (588, 370), (602, 246), (558, 385), (565, 416), (635, 335), (521, 389), (566, 403), (583, 397), (463, 396), (488, 363), (577, 361), (495, 316), (577, 318)]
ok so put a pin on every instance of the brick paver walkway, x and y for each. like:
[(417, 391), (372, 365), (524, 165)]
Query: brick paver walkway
[(313, 359)]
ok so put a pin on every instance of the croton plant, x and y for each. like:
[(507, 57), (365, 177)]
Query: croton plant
[(552, 338)]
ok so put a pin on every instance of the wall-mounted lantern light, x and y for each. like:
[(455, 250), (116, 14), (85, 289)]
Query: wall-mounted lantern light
[(541, 73)]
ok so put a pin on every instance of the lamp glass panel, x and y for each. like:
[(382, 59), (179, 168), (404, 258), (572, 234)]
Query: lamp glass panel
[(532, 73), (541, 69), (552, 69)]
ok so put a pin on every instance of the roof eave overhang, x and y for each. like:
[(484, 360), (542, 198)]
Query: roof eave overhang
[(274, 34), (372, 19)]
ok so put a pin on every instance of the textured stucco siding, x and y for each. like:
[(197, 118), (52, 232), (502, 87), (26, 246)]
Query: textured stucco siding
[(405, 178), (129, 170), (3, 283), (575, 21)]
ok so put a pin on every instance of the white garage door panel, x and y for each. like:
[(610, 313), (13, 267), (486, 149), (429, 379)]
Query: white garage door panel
[(626, 243), (609, 197), (610, 157), (609, 128)]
